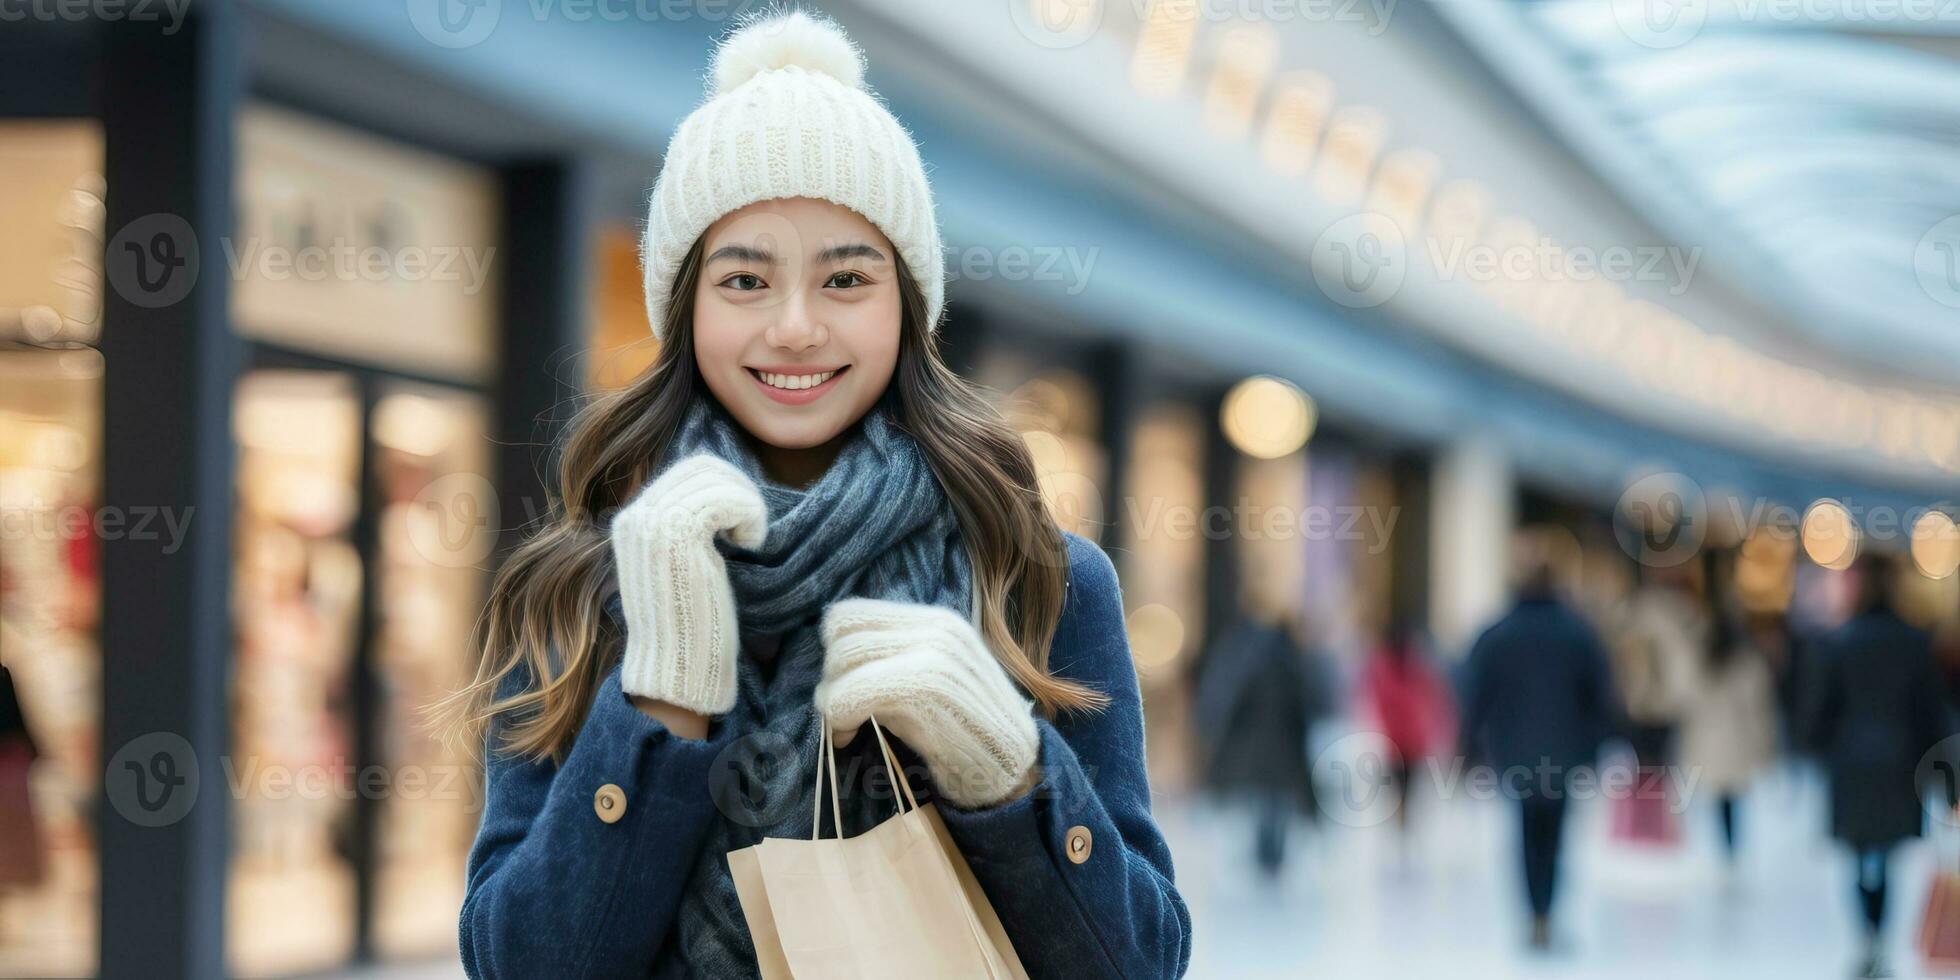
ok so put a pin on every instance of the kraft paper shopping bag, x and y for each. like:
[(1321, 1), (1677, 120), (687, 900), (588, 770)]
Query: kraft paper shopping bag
[(754, 896), (895, 901)]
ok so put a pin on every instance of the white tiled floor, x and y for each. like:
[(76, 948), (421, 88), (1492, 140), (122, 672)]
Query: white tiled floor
[(1348, 906), (1351, 907)]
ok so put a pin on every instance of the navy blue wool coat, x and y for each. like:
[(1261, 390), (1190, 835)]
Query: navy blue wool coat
[(554, 891)]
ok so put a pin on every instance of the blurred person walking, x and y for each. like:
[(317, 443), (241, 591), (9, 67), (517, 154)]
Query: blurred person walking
[(1538, 700), (1660, 641), (1876, 714), (1257, 701), (1728, 733), (1770, 635), (1408, 701)]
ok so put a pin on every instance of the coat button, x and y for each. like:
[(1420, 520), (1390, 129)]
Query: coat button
[(609, 803), (1079, 843)]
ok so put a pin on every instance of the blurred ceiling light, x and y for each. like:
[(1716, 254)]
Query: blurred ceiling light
[(1156, 635), (414, 424), (1267, 417), (1402, 185), (1354, 138), (1245, 60), (1936, 544), (1163, 51), (1830, 536), (1301, 102), (1668, 354)]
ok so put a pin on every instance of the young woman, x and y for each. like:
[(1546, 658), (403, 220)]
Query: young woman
[(799, 516)]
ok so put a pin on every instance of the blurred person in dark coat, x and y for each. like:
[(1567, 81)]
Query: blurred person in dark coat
[(1257, 701), (1538, 700), (1876, 715)]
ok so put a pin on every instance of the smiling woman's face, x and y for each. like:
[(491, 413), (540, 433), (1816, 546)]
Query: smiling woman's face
[(796, 318)]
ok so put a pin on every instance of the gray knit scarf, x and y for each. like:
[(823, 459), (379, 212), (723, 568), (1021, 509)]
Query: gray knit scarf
[(876, 524)]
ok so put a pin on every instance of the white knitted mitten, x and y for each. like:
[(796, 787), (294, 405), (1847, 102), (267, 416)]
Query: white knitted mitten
[(928, 675), (681, 631)]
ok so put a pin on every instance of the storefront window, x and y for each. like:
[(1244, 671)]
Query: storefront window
[(1163, 576), (303, 443), (50, 581), (1056, 412), (365, 530), (50, 595), (622, 347), (297, 591), (437, 525)]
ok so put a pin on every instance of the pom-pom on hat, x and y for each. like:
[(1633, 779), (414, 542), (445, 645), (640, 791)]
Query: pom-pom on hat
[(788, 115)]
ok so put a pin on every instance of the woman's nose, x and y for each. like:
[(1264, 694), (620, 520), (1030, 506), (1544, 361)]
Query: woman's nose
[(796, 326)]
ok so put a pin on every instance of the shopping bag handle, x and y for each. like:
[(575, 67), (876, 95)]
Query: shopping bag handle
[(827, 749)]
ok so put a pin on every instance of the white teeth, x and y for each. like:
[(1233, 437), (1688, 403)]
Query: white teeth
[(794, 382)]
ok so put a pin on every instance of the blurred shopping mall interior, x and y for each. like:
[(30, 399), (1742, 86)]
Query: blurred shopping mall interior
[(1329, 321)]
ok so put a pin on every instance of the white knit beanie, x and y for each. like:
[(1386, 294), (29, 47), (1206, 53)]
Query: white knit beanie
[(788, 115)]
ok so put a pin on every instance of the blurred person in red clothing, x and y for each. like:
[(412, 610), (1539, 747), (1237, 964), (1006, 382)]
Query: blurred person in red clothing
[(1405, 698)]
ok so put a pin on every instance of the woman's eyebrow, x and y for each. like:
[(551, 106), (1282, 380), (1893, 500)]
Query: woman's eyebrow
[(855, 250), (742, 253)]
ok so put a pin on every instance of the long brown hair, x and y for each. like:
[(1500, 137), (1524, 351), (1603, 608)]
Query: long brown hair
[(544, 614)]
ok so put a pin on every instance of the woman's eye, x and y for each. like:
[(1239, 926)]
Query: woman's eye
[(744, 281), (845, 280)]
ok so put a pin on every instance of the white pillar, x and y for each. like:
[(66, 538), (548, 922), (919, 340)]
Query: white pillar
[(1473, 508)]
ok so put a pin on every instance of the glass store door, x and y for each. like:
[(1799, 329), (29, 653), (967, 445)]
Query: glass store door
[(437, 524), (365, 526), (296, 607)]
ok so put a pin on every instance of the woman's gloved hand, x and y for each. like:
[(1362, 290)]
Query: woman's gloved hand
[(930, 678), (681, 631)]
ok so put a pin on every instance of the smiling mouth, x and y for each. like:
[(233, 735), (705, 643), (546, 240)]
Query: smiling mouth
[(794, 382)]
